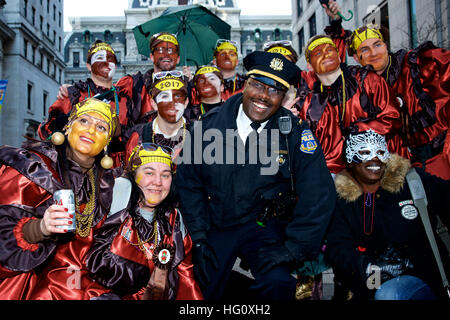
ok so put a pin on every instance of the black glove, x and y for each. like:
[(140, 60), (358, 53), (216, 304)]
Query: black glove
[(202, 255), (391, 264), (272, 255)]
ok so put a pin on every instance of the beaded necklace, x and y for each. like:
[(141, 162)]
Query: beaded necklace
[(84, 220)]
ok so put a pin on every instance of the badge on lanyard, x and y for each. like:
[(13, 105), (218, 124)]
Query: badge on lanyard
[(409, 211)]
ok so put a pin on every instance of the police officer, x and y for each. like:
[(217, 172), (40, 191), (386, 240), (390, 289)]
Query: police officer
[(224, 195)]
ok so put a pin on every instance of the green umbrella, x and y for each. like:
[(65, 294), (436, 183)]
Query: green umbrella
[(196, 27)]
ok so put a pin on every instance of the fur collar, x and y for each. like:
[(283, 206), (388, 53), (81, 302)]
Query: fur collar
[(392, 181)]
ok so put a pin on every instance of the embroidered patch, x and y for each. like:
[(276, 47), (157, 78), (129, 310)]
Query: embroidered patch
[(309, 144), (409, 212)]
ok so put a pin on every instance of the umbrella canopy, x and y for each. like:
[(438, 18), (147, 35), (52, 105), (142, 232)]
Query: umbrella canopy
[(196, 27)]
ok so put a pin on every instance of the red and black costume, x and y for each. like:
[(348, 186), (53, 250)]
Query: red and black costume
[(370, 103), (127, 92), (232, 86), (53, 268), (121, 262), (421, 78)]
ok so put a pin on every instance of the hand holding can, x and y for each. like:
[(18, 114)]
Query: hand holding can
[(60, 217)]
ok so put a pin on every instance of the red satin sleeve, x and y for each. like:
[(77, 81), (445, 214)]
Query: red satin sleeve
[(188, 288), (62, 105), (17, 189)]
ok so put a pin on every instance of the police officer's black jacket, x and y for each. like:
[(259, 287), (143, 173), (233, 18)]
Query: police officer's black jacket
[(220, 196)]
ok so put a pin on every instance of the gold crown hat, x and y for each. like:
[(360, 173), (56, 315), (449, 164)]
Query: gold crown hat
[(371, 31), (140, 156), (168, 83), (318, 41)]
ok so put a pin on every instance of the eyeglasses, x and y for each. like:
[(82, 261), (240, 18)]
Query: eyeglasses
[(150, 146), (284, 43), (261, 88), (163, 50), (163, 74), (220, 41)]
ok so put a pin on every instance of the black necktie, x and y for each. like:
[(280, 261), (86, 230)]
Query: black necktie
[(255, 126)]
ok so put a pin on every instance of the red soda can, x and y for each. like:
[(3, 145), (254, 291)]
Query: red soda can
[(66, 198)]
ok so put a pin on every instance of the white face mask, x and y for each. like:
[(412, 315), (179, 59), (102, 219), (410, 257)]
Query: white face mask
[(363, 147), (164, 96), (99, 56), (112, 70), (180, 110)]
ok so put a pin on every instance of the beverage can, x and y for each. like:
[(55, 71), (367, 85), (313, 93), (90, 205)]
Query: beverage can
[(66, 198)]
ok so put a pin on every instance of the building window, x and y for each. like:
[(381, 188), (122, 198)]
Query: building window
[(118, 55), (33, 49), (25, 8), (299, 7), (277, 34), (107, 35), (29, 95), (59, 19), (48, 30), (76, 59), (301, 40), (257, 35), (41, 23), (87, 37), (54, 13), (60, 44), (48, 6), (182, 2), (25, 48), (312, 26), (33, 16), (44, 103), (54, 36)]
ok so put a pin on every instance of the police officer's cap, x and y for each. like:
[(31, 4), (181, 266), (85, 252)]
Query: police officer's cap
[(272, 69)]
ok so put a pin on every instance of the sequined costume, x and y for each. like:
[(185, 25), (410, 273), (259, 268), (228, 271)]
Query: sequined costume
[(55, 267)]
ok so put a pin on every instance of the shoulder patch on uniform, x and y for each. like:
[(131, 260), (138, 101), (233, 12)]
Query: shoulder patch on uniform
[(308, 143)]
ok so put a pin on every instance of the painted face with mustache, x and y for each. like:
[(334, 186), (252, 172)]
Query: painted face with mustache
[(165, 56), (324, 59)]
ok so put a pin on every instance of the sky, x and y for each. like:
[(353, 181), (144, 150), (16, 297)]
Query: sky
[(75, 8)]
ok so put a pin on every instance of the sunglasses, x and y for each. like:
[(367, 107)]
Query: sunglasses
[(220, 41), (284, 43), (150, 146), (163, 74)]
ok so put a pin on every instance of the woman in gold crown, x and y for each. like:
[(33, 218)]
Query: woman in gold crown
[(40, 258), (143, 250)]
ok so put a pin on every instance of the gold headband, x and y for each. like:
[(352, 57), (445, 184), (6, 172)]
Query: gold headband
[(316, 43), (169, 84), (207, 69), (102, 46), (168, 38), (283, 51), (96, 106), (360, 37), (226, 46), (148, 156)]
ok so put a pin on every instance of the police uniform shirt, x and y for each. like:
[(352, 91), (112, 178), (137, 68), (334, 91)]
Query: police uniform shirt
[(243, 123)]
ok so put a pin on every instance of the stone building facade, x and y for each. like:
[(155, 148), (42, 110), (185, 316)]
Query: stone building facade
[(250, 32), (33, 63)]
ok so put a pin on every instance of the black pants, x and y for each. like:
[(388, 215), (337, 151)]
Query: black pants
[(244, 241)]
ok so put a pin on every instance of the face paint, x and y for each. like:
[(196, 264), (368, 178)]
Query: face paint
[(171, 105), (155, 180), (103, 64), (324, 59), (227, 59), (366, 146), (88, 134), (208, 85)]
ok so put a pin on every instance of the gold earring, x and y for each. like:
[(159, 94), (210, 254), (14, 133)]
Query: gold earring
[(57, 138), (107, 161)]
